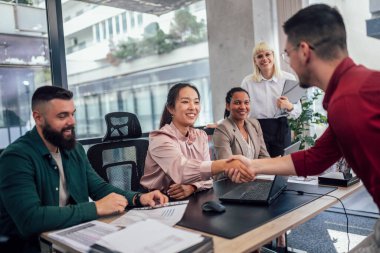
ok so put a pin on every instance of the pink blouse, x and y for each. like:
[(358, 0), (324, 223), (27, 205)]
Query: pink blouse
[(173, 158)]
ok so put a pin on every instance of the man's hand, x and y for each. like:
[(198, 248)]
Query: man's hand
[(242, 168), (180, 191), (111, 204), (284, 103), (152, 198), (236, 175)]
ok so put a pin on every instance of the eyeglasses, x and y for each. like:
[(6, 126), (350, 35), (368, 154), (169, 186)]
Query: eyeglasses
[(285, 54)]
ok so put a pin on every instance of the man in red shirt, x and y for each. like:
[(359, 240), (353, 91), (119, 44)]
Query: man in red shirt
[(316, 50)]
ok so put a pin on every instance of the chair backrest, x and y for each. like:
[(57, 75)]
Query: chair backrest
[(120, 163), (118, 160), (122, 125)]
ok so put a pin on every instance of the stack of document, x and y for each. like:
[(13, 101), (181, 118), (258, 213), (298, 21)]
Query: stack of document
[(154, 237), (83, 236), (147, 230)]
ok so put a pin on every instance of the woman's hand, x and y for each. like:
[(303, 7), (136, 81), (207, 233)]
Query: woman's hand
[(284, 103), (181, 191)]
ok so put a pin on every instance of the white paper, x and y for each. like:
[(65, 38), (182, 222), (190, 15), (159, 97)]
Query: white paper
[(169, 214), (312, 180), (265, 177), (82, 236), (150, 236)]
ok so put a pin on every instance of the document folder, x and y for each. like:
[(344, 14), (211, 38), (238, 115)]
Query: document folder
[(293, 91)]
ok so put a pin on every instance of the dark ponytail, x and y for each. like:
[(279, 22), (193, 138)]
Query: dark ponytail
[(173, 94), (229, 96)]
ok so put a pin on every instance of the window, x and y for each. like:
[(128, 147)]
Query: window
[(134, 71), (104, 30), (124, 22), (97, 32), (139, 19), (110, 27), (24, 66), (117, 24), (132, 16)]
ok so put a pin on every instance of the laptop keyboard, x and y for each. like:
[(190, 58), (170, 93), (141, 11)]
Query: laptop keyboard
[(258, 191)]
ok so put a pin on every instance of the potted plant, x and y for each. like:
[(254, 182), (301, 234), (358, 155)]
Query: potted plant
[(301, 126)]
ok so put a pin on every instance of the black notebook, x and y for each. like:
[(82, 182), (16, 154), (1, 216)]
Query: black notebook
[(338, 179)]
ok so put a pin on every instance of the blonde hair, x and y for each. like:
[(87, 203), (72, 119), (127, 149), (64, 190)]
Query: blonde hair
[(263, 46)]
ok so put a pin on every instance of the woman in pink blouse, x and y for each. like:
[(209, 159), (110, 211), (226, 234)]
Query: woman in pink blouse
[(178, 159)]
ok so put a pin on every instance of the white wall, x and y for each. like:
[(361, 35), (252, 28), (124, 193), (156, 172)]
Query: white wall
[(362, 49)]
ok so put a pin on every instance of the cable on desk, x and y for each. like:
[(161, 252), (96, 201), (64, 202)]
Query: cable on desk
[(344, 209)]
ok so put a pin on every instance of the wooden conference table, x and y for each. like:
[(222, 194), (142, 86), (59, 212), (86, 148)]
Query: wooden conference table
[(257, 237)]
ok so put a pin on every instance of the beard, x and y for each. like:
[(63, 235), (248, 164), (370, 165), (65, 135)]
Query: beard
[(305, 80), (305, 85), (57, 138)]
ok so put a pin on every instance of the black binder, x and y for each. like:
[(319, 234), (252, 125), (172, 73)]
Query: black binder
[(338, 179)]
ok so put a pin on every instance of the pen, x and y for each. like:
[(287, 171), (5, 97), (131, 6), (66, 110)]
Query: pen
[(175, 203)]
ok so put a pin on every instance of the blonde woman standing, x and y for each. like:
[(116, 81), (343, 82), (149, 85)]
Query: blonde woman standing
[(265, 86)]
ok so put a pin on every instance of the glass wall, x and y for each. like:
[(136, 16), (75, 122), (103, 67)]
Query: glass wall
[(123, 60), (24, 64)]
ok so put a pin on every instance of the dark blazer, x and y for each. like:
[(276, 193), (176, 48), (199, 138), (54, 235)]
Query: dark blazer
[(228, 140)]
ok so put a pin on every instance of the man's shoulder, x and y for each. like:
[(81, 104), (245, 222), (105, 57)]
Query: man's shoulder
[(359, 71), (23, 145), (360, 79)]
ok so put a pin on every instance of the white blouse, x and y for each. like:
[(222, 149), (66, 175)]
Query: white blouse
[(264, 95)]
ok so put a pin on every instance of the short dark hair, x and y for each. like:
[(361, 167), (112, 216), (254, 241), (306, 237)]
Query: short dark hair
[(229, 96), (46, 93), (322, 27), (173, 94)]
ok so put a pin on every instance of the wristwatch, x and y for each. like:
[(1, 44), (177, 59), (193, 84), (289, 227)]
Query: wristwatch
[(137, 199)]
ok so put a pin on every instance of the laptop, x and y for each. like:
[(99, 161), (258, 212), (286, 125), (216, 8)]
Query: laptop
[(260, 191)]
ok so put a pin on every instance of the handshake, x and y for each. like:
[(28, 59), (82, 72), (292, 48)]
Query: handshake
[(239, 169)]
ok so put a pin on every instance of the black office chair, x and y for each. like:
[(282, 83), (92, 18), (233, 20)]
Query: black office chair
[(120, 158), (121, 125)]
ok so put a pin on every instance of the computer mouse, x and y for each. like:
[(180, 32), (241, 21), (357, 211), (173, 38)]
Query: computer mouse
[(213, 206)]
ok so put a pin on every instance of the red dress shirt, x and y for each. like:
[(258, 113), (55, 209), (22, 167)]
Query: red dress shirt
[(352, 101)]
